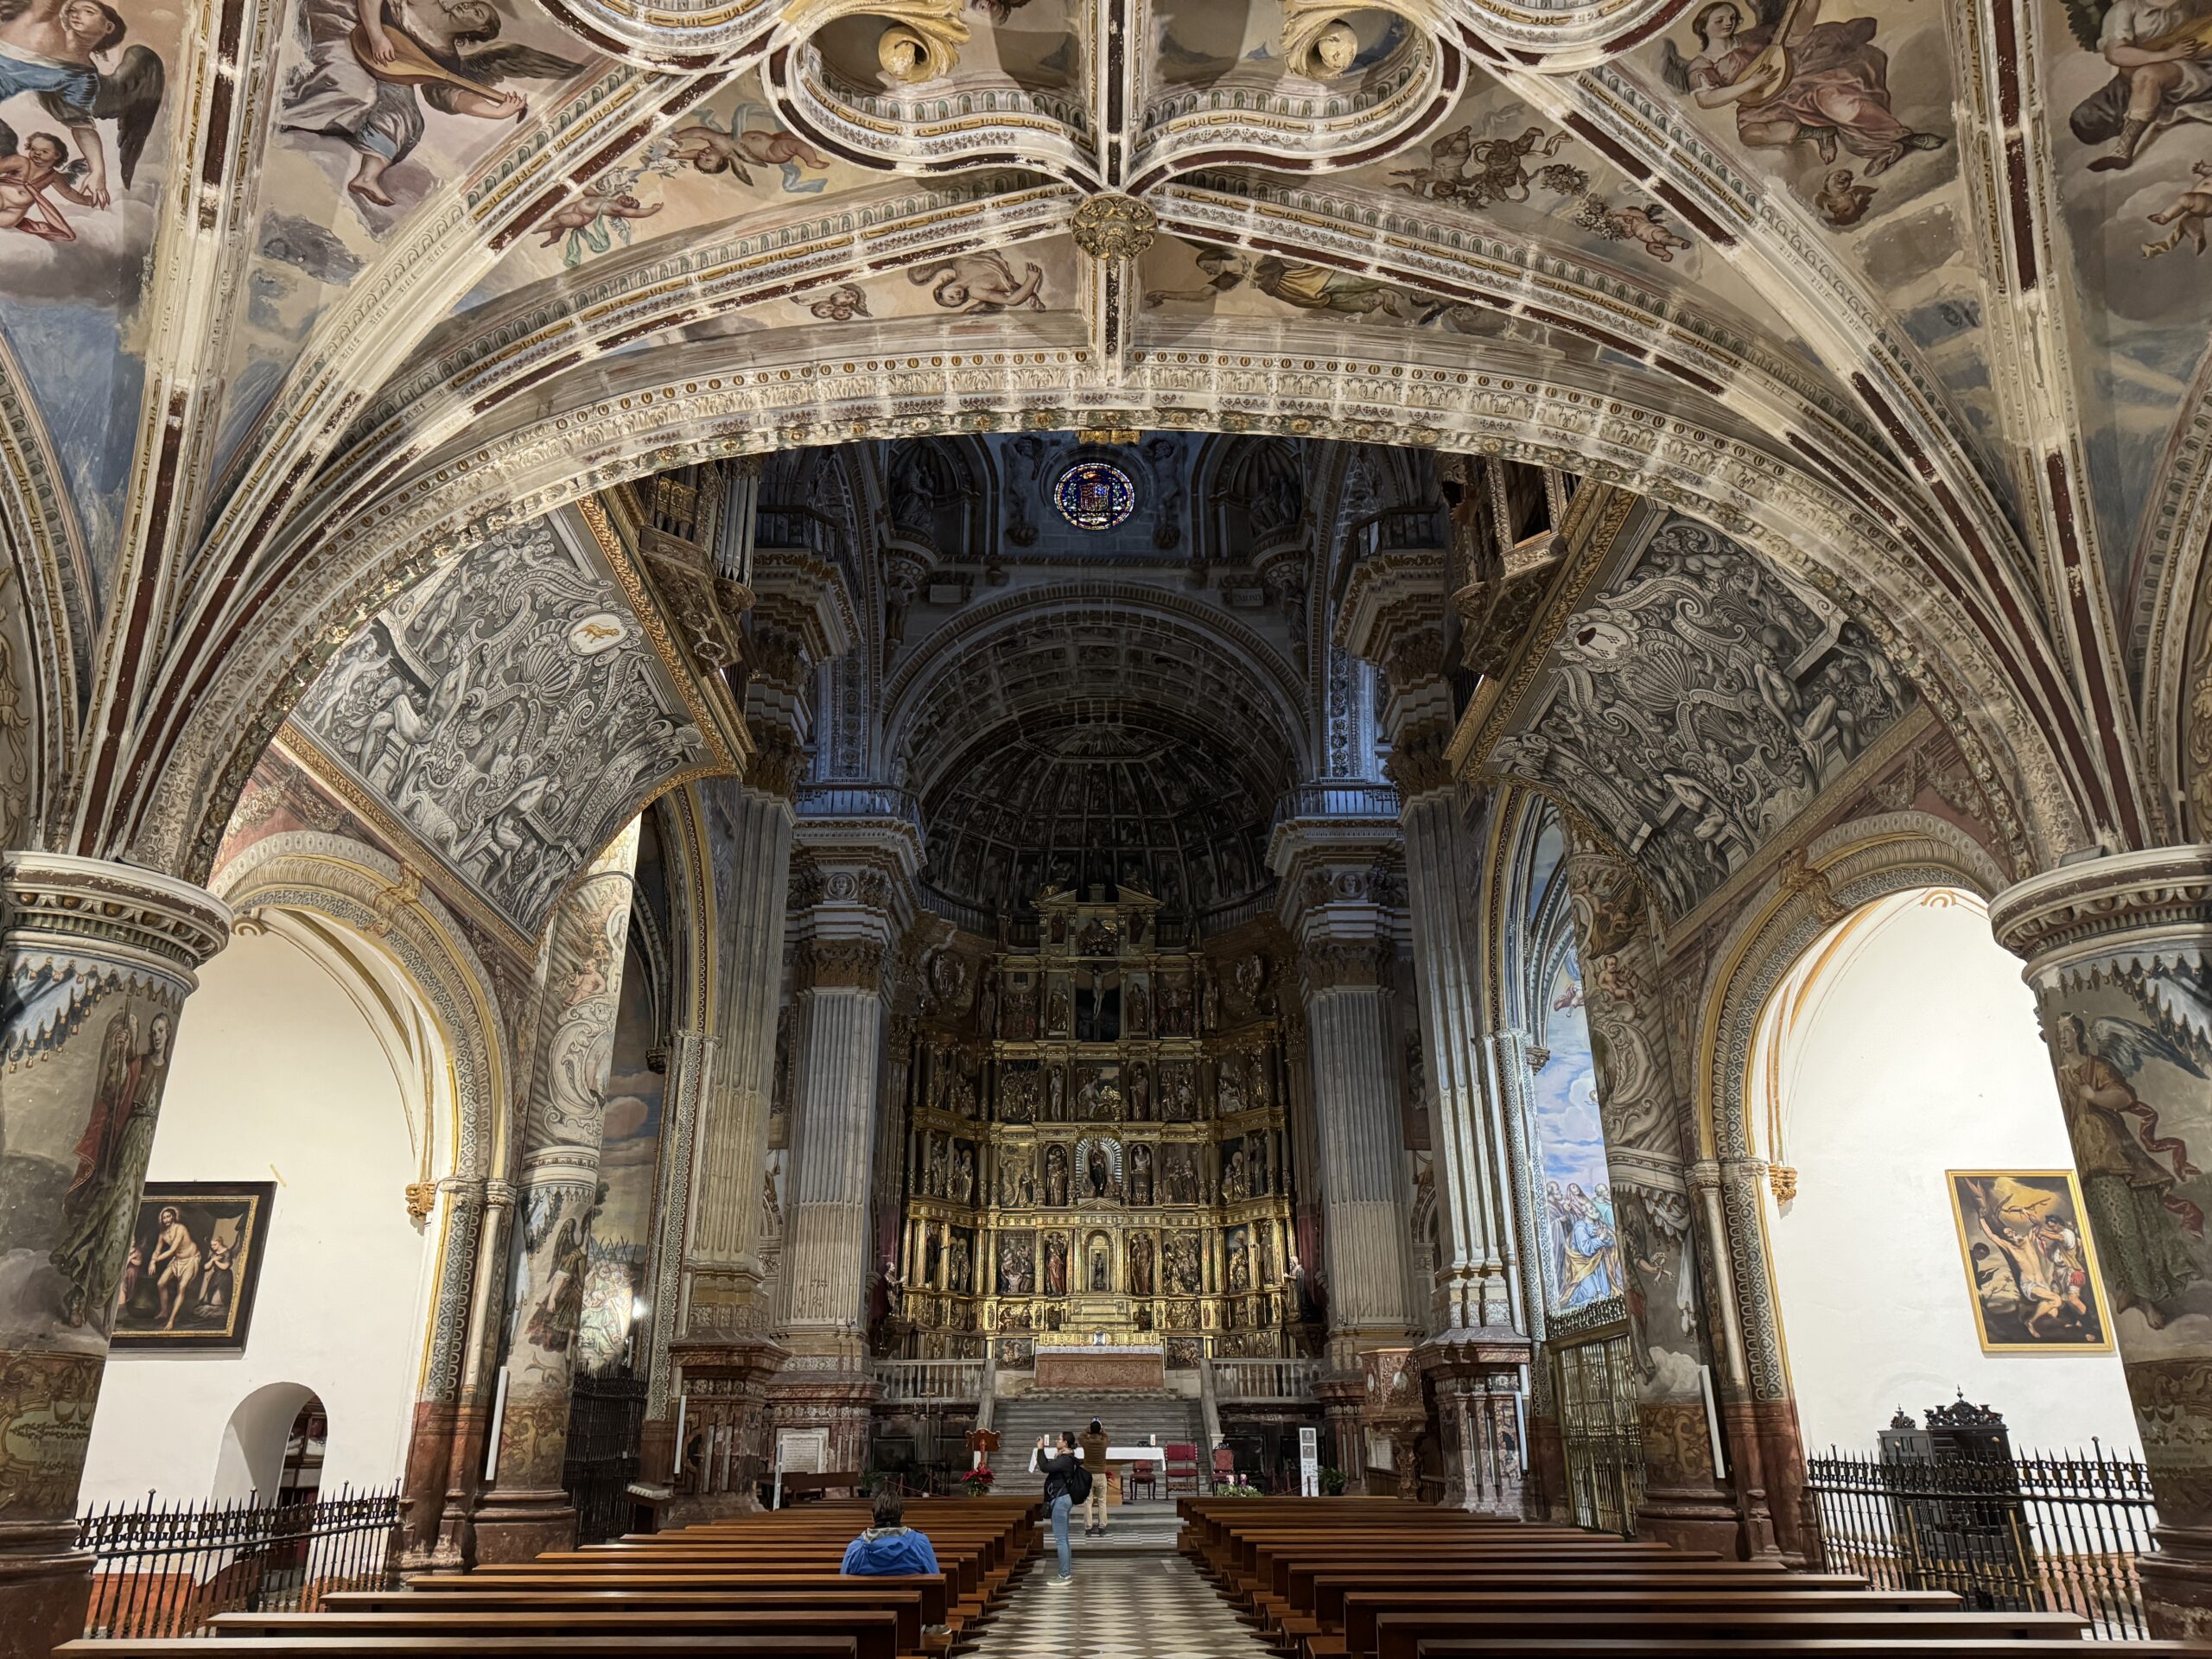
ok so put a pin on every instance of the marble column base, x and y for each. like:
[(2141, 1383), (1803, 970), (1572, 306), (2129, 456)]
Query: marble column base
[(2177, 1582), (44, 1590), (522, 1525)]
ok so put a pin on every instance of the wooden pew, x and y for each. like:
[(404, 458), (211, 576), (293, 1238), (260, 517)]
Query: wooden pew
[(906, 1605), (536, 1646), (874, 1631)]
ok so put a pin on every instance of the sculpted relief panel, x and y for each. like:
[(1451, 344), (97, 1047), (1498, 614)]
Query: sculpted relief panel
[(1699, 706), (509, 711)]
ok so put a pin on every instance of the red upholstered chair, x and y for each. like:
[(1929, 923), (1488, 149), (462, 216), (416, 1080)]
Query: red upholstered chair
[(1224, 1465), (1141, 1480), (1183, 1466)]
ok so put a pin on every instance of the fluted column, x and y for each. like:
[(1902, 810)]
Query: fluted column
[(2117, 954), (853, 895), (1341, 887), (1660, 1216), (579, 995), (97, 958)]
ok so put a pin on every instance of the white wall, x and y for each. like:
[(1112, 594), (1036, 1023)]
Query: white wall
[(278, 1067), (1908, 1046)]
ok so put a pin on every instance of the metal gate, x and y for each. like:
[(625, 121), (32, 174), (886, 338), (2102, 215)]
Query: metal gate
[(607, 1414), (1604, 1440)]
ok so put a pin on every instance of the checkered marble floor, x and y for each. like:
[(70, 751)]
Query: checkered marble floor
[(1119, 1607)]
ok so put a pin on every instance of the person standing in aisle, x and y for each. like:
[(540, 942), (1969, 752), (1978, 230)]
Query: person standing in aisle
[(1093, 1442), (1064, 1473)]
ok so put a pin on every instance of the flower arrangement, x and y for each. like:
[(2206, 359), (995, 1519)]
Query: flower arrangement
[(1235, 1486), (978, 1480)]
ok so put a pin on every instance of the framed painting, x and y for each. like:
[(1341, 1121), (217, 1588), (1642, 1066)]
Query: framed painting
[(2031, 1265), (194, 1261)]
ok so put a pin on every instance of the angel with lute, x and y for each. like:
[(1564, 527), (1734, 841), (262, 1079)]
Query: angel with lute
[(371, 67), (1794, 80), (69, 54)]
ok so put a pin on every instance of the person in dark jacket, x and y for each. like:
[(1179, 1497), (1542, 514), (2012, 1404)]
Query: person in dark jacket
[(1059, 1467), (890, 1549)]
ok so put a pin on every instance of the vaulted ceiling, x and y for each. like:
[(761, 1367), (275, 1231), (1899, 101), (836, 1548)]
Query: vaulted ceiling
[(1862, 305)]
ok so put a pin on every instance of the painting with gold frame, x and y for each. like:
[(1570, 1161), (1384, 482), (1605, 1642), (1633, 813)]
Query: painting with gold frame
[(194, 1264), (2031, 1265)]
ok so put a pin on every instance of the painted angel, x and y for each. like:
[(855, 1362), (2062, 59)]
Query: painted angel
[(1793, 80), (40, 165), (53, 50), (707, 146), (590, 221), (2160, 53), (371, 68), (2148, 1236)]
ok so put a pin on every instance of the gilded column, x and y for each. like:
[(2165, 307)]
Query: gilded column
[(853, 887), (1658, 1211), (98, 959), (2116, 951), (579, 995)]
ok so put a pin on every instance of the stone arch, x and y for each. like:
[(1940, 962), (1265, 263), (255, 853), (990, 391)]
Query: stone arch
[(1852, 865), (381, 900), (1794, 516)]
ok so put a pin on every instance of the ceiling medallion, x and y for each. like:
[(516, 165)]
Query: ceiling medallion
[(1112, 226), (1094, 495)]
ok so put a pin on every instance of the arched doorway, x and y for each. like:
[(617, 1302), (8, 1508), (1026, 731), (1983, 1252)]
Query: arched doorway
[(1897, 1060)]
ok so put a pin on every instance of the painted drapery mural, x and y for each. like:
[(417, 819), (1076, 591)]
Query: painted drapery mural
[(1582, 1259)]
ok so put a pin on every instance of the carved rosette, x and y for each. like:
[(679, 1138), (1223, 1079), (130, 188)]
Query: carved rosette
[(1112, 226)]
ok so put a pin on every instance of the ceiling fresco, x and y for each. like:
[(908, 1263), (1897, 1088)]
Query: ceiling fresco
[(1819, 276)]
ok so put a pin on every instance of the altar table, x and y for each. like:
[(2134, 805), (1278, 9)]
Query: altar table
[(1094, 1369)]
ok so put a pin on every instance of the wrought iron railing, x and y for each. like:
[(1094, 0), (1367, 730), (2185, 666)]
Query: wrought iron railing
[(1600, 1432), (1350, 798), (1249, 1381), (2043, 1534), (606, 1416), (858, 801), (165, 1569), (930, 1382)]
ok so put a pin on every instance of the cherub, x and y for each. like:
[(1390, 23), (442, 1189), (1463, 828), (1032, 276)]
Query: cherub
[(2187, 214), (711, 148), (50, 49), (584, 222), (841, 304), (980, 283), (1841, 199), (42, 165), (1641, 225)]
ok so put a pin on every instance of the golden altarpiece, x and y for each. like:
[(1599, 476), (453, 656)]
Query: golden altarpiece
[(1097, 1149)]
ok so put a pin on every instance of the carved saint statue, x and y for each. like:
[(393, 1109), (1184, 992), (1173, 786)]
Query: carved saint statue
[(1136, 1009), (1141, 1174), (1055, 1094), (1140, 1093), (1055, 1264), (1141, 1265), (1098, 1170), (1056, 1177), (1240, 1263), (1101, 1269)]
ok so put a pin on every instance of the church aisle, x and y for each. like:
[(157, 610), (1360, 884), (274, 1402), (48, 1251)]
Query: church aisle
[(1119, 1607)]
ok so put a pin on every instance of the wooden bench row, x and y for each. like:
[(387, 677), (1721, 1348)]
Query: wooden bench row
[(764, 1586), (1384, 1579)]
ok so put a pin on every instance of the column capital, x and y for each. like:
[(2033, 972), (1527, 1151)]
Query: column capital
[(2141, 903), (803, 597), (855, 854), (1393, 615), (1342, 862), (94, 906)]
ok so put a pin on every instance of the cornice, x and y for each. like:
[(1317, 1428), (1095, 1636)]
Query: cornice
[(2134, 904), (57, 904)]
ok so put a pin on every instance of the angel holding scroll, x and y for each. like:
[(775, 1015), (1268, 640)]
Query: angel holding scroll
[(371, 68)]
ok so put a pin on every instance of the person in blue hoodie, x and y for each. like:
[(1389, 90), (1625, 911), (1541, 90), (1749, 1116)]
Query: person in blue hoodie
[(890, 1549)]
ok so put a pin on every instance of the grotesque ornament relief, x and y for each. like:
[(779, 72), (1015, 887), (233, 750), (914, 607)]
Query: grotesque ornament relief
[(510, 715), (1699, 706)]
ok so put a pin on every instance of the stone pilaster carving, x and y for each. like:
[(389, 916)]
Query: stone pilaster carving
[(2117, 953), (97, 960)]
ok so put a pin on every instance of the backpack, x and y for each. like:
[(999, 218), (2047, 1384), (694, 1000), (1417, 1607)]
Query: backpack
[(1078, 1484)]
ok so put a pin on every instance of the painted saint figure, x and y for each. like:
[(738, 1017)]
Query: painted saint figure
[(100, 1212), (2161, 56), (1793, 80)]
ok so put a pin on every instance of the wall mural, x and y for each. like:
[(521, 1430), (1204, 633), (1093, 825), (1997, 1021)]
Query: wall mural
[(84, 151), (1699, 706), (508, 711), (1582, 1263), (629, 1165), (2132, 81), (2030, 1261)]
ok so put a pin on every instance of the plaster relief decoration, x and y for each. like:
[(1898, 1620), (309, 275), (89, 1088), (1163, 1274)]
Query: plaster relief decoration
[(2030, 1261), (1699, 706), (510, 713), (194, 1264)]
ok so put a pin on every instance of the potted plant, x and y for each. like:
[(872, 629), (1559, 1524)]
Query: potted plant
[(1332, 1483), (978, 1480)]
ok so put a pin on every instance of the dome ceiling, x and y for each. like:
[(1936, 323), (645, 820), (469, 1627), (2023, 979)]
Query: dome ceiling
[(1133, 796)]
